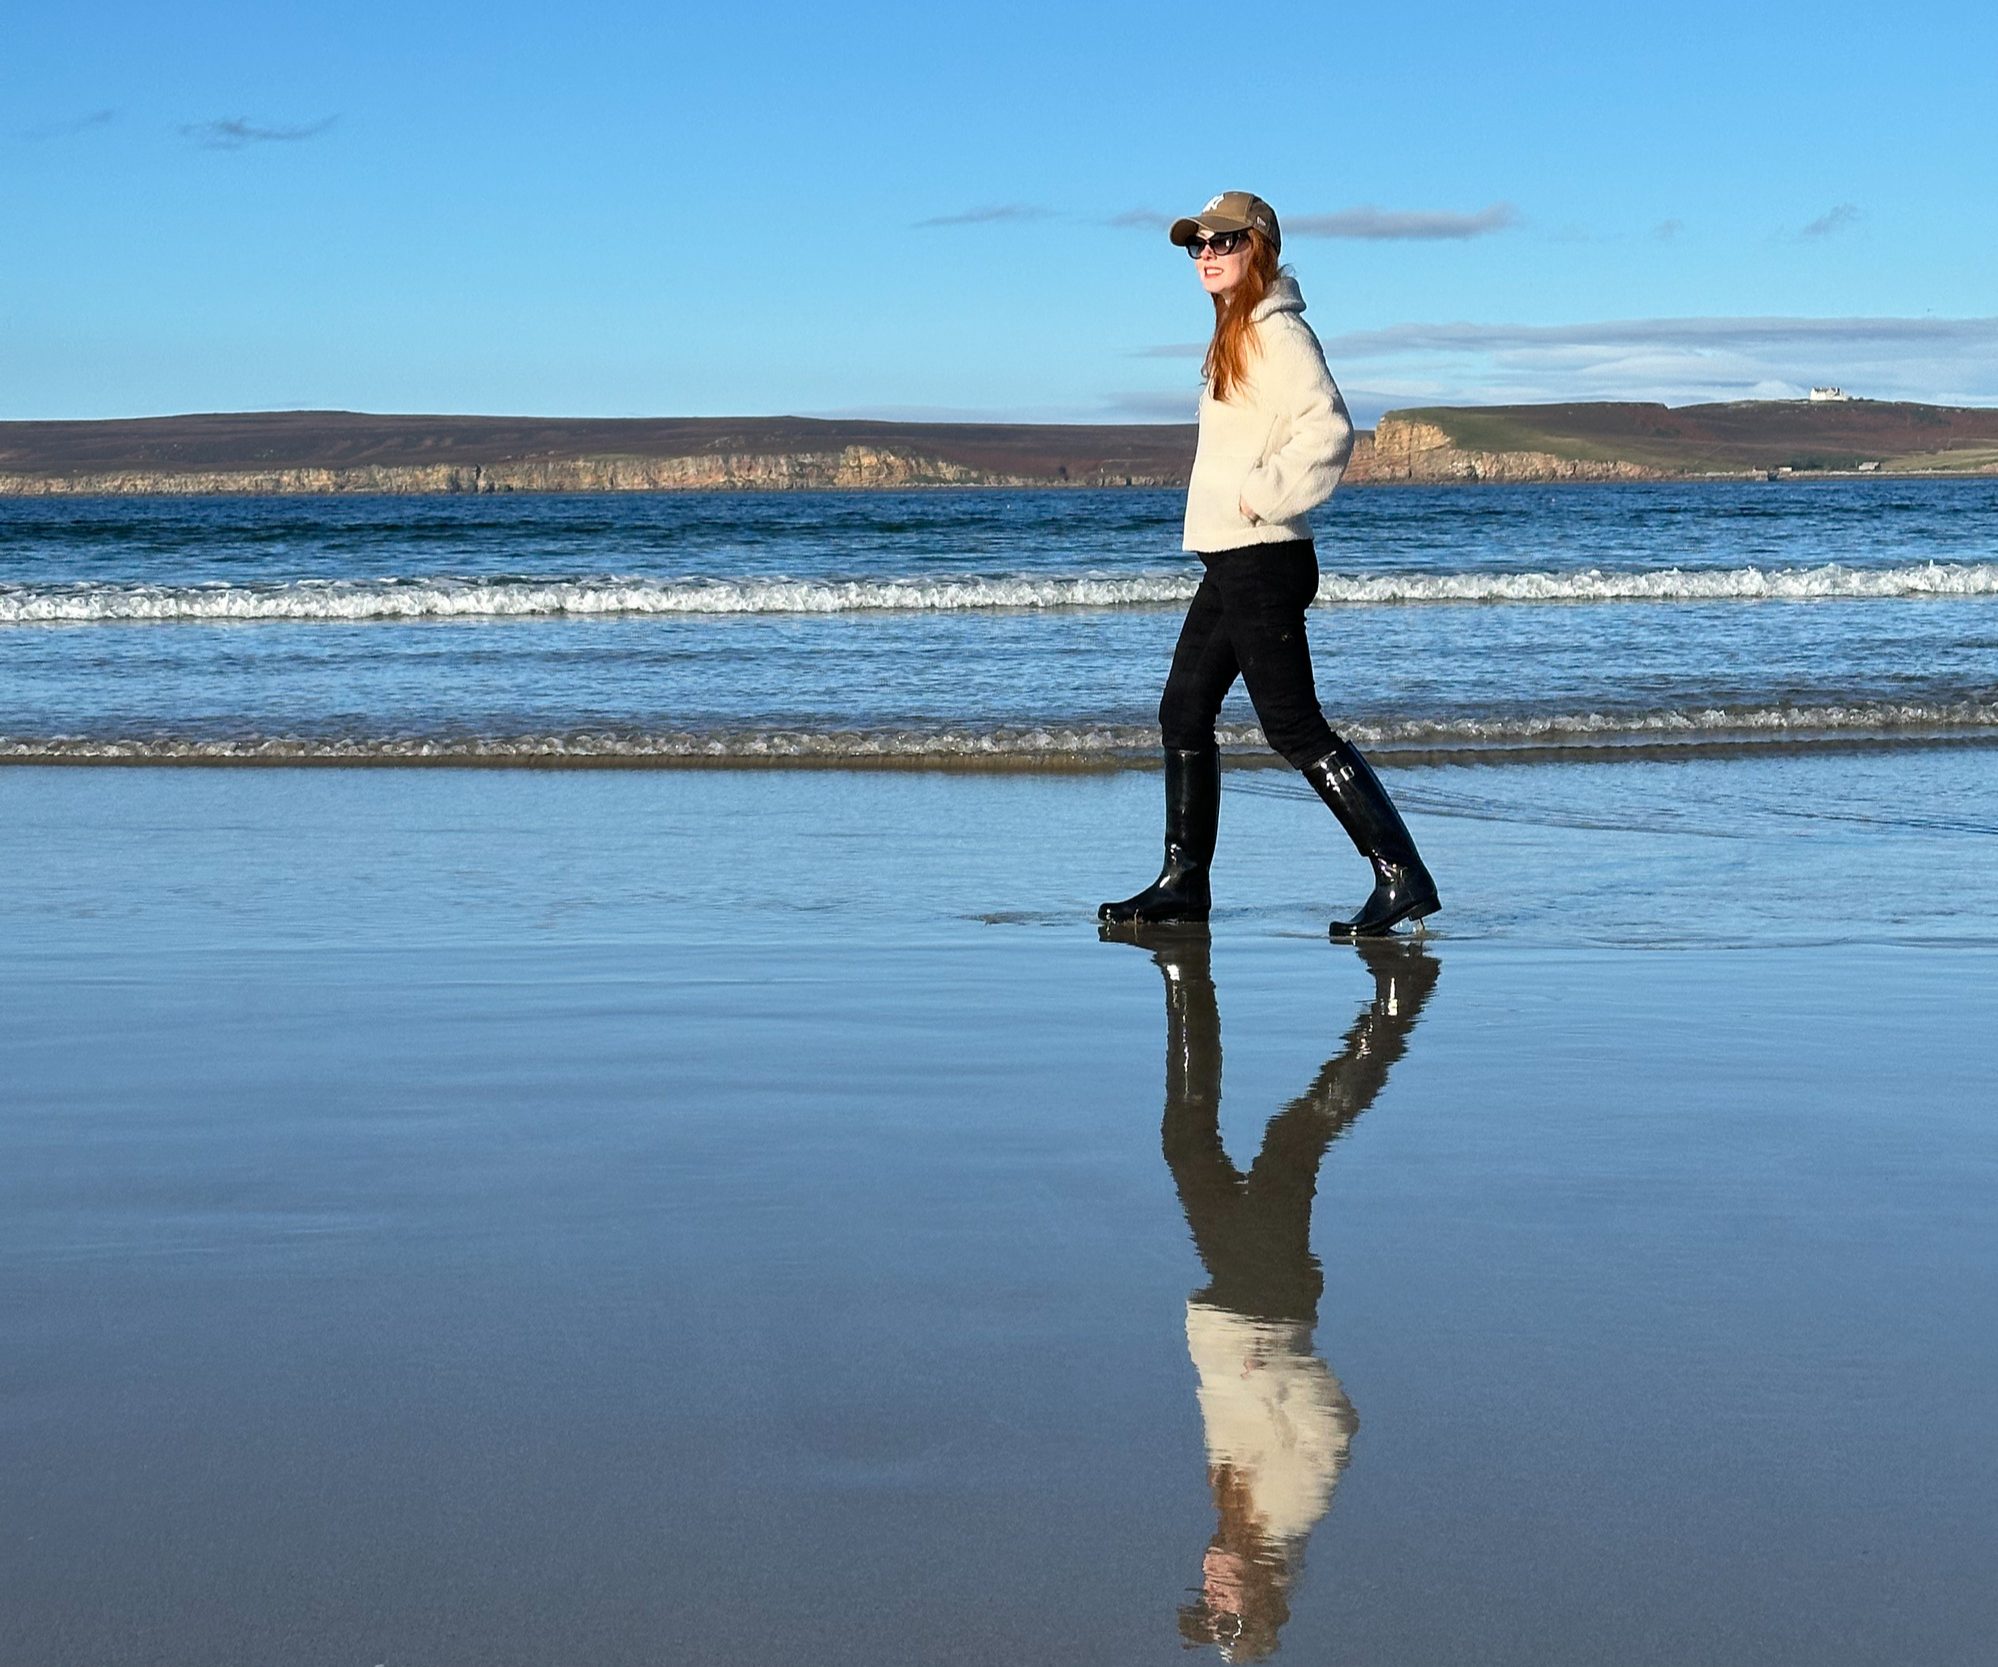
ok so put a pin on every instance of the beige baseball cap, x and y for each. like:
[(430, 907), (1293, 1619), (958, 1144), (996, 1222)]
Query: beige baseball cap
[(1232, 211)]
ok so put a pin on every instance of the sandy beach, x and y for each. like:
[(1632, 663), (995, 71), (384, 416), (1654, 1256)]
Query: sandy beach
[(509, 1217)]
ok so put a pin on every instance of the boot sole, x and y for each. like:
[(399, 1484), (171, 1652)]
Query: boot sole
[(1346, 931), (1176, 917)]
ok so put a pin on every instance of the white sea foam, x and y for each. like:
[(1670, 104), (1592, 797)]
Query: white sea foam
[(1052, 744), (1672, 584), (1883, 719), (528, 598), (392, 599)]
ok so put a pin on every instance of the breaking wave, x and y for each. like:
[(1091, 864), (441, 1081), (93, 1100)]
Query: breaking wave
[(518, 598), (1049, 746), (532, 598)]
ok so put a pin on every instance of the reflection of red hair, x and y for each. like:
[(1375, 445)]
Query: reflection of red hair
[(1248, 1631), (1227, 359)]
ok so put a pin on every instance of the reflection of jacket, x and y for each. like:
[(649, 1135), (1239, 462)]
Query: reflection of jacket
[(1279, 444), (1274, 1413)]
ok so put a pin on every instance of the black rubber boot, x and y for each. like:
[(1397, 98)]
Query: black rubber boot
[(1192, 814), (1403, 889)]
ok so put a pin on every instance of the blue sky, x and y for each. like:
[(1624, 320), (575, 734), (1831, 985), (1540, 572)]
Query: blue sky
[(892, 209)]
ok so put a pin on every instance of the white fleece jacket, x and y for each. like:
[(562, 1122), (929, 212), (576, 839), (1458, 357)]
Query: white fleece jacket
[(1278, 445)]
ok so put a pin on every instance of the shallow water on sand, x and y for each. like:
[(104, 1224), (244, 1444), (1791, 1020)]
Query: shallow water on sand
[(509, 1218)]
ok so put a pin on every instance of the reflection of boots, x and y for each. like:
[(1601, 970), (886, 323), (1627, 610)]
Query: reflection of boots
[(1193, 813), (1184, 954), (1404, 975), (1403, 889)]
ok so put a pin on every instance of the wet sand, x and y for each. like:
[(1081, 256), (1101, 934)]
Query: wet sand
[(611, 1218)]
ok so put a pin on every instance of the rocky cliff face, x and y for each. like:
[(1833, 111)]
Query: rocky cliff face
[(851, 467), (1400, 451), (1418, 452)]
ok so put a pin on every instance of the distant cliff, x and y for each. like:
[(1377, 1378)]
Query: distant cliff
[(339, 451), (344, 451), (851, 467), (1406, 452)]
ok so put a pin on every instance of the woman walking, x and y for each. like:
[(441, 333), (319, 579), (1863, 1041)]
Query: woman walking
[(1274, 439)]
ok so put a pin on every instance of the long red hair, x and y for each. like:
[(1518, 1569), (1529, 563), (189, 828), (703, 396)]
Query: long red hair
[(1227, 361)]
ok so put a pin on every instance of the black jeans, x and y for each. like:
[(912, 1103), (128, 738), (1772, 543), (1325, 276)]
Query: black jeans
[(1247, 620)]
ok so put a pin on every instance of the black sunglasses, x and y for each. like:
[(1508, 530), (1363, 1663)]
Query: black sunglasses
[(1222, 243)]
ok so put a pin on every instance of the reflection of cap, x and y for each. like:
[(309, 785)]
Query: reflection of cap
[(1232, 211)]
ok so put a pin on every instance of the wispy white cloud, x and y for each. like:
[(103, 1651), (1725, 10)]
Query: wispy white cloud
[(1173, 350), (996, 212), (1673, 360), (1831, 221), (234, 133), (1383, 225), (1666, 230), (1141, 219), (68, 127)]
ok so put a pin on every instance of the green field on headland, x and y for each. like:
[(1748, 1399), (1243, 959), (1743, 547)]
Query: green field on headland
[(1742, 436)]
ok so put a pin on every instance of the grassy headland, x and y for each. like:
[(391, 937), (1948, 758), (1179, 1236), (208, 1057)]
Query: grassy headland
[(1742, 437)]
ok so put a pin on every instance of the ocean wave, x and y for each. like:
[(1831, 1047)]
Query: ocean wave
[(1832, 581), (547, 598), (521, 598), (1051, 745)]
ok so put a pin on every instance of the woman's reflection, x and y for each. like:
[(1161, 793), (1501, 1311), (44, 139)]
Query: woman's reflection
[(1278, 1424)]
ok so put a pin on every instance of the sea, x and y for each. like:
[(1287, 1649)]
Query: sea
[(1004, 628)]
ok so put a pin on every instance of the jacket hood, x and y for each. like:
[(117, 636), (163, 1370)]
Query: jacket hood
[(1284, 297)]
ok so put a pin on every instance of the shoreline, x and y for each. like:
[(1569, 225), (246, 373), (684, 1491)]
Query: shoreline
[(1495, 755)]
